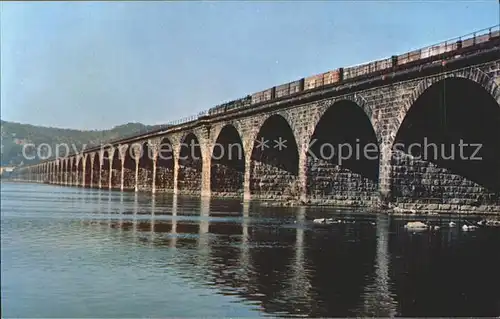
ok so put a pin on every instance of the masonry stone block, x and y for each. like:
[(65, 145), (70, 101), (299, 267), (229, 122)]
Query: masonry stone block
[(292, 173)]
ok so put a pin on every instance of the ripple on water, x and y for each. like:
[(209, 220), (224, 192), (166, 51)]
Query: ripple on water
[(69, 252)]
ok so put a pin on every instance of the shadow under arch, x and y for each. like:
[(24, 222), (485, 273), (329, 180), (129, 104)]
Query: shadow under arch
[(74, 176), (227, 163), (88, 171), (190, 165), (165, 167), (116, 170), (65, 170), (79, 176), (106, 168), (96, 170), (343, 158), (69, 170), (145, 168), (449, 144), (128, 168), (274, 165)]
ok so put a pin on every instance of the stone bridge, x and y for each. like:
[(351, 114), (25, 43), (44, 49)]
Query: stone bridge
[(425, 136)]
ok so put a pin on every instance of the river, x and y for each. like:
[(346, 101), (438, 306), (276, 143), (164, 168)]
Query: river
[(73, 252)]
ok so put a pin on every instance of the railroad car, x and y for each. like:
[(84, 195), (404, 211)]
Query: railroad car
[(435, 54)]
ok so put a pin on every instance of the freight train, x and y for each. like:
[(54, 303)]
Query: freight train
[(435, 53)]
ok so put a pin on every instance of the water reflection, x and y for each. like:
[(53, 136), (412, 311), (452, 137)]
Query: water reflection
[(379, 301), (203, 255), (299, 287), (153, 219), (243, 271), (284, 265), (275, 259), (110, 211), (134, 216), (173, 231)]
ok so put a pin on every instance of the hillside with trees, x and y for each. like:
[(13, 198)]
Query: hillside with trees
[(15, 137)]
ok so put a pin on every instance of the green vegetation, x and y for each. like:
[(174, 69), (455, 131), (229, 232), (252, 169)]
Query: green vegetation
[(16, 135)]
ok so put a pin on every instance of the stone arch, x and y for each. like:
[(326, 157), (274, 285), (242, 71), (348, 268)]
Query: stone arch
[(447, 112), (473, 74), (145, 167), (72, 171), (47, 172), (88, 170), (65, 168), (79, 170), (165, 166), (107, 157), (57, 171), (227, 162), (96, 168), (129, 167), (116, 169), (274, 161), (190, 164), (356, 98), (217, 128), (48, 166), (52, 171), (249, 137), (343, 159)]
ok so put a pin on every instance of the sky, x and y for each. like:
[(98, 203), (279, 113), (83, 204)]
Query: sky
[(95, 65)]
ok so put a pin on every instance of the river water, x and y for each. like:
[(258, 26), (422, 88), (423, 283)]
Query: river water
[(71, 252)]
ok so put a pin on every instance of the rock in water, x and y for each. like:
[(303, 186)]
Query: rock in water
[(416, 225)]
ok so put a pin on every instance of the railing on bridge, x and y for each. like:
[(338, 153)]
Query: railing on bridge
[(187, 119), (422, 54), (157, 128)]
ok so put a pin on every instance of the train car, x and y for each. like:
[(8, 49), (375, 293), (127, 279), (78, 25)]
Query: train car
[(383, 65), (331, 77), (426, 53), (314, 81), (258, 97), (283, 90), (231, 105), (468, 42), (216, 110), (297, 86), (380, 65), (409, 57), (435, 50), (494, 34), (243, 102), (355, 71), (482, 38), (450, 47), (269, 94), (263, 96), (475, 40)]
